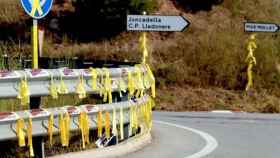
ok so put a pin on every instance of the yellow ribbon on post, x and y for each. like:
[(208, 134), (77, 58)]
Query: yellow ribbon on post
[(20, 132), (251, 59), (152, 80), (143, 46), (36, 6), (114, 122), (29, 134)]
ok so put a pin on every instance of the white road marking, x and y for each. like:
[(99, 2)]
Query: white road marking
[(222, 111), (211, 142)]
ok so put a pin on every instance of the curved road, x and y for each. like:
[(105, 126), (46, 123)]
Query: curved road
[(213, 135)]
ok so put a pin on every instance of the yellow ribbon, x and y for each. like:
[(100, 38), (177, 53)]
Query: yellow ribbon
[(94, 76), (99, 124), (143, 46), (114, 122), (80, 89), (62, 89), (29, 134), (53, 90), (130, 84), (64, 128), (84, 127), (107, 87), (121, 124), (107, 125), (24, 93), (20, 132), (121, 86), (36, 6), (50, 129), (252, 46), (152, 81)]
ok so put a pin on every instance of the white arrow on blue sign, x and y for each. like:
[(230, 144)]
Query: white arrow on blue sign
[(156, 23), (37, 9), (261, 27)]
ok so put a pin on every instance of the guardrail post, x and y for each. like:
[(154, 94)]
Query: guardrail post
[(38, 146)]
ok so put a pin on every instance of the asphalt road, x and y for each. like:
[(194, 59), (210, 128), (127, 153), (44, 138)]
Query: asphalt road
[(213, 135)]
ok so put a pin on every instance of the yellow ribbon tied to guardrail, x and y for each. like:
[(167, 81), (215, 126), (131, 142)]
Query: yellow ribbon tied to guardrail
[(23, 91), (121, 124), (150, 81), (252, 46), (62, 89), (20, 132), (29, 136), (106, 91), (143, 46), (36, 6), (130, 85), (50, 129), (84, 127), (121, 86), (133, 121), (80, 89), (53, 90), (94, 75), (99, 124), (107, 125), (139, 81), (64, 128), (114, 122)]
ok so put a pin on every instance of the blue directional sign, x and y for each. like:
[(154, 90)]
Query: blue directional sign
[(37, 9)]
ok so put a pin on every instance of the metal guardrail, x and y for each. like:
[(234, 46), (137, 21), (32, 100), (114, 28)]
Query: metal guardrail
[(40, 122), (39, 83)]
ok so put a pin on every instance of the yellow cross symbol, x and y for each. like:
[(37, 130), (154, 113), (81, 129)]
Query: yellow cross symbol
[(36, 7)]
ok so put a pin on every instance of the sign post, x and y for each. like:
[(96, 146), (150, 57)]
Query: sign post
[(37, 9), (154, 23)]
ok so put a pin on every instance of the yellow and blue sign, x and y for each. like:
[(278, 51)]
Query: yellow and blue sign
[(37, 9)]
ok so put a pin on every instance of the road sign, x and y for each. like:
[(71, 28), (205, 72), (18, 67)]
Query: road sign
[(37, 9), (156, 23), (261, 27)]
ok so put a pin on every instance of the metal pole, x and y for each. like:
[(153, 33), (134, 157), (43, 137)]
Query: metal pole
[(35, 44)]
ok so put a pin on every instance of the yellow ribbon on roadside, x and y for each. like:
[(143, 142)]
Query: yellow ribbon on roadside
[(99, 124), (84, 127), (150, 77), (64, 128), (20, 127), (130, 84), (80, 89), (50, 129), (94, 76), (121, 124), (62, 89), (107, 125), (36, 6), (29, 136), (23, 91), (251, 59), (106, 91), (114, 122), (143, 46), (53, 90)]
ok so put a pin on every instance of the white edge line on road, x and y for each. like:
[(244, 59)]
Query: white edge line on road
[(211, 142)]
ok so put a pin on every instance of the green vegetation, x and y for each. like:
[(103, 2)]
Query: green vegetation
[(209, 55)]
